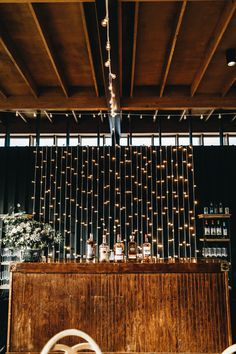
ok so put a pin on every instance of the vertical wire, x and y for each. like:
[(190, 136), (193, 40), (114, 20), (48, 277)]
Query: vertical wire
[(136, 196), (82, 230), (45, 183), (60, 201), (146, 187), (87, 192), (141, 193), (161, 206), (41, 185), (65, 193), (152, 197), (119, 186), (156, 202), (76, 203), (183, 203), (178, 200), (188, 205), (35, 179), (70, 201), (132, 193), (194, 203), (55, 214), (97, 190), (50, 206), (172, 201), (167, 203)]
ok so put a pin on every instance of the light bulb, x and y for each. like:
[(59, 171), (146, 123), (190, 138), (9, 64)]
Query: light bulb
[(104, 22)]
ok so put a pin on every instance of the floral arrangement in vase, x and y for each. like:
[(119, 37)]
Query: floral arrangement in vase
[(23, 232)]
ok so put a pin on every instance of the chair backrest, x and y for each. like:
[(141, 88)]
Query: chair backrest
[(231, 349), (90, 344)]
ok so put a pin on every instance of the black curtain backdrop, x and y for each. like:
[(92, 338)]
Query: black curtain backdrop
[(215, 177)]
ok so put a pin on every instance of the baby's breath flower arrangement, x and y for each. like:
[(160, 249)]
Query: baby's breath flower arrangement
[(21, 232)]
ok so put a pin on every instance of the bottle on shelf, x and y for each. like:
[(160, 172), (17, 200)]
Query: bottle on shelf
[(104, 250), (132, 249), (205, 210), (119, 250), (226, 210), (211, 208), (215, 208), (221, 209), (90, 249), (206, 228), (146, 251), (213, 229), (218, 228), (225, 230)]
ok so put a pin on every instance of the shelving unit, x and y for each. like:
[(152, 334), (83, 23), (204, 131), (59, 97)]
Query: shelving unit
[(215, 243)]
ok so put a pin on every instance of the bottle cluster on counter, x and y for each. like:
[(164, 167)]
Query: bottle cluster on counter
[(215, 228), (117, 254)]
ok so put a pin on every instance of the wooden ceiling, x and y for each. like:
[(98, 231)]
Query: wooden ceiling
[(166, 54)]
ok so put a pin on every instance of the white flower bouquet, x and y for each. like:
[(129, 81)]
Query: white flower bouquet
[(21, 232)]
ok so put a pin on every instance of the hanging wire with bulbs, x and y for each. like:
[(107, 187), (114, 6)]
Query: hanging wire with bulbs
[(111, 76)]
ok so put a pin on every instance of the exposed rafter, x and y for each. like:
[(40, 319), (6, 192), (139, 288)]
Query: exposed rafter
[(53, 59), (88, 44), (228, 84), (136, 12), (172, 46), (209, 115), (216, 38), (17, 61)]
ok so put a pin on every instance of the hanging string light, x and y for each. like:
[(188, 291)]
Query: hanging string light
[(111, 76)]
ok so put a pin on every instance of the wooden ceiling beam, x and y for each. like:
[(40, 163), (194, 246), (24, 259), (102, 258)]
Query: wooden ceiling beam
[(228, 84), (136, 12), (88, 44), (172, 46), (90, 102), (2, 93), (47, 45), (216, 38), (17, 61)]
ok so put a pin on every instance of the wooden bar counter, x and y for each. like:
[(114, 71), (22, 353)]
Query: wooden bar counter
[(148, 308)]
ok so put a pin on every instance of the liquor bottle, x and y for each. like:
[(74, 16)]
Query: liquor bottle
[(90, 254), (215, 208), (206, 229), (213, 229), (225, 230), (146, 251), (132, 249), (221, 210), (211, 209), (218, 229), (226, 210), (119, 250), (205, 210), (104, 250)]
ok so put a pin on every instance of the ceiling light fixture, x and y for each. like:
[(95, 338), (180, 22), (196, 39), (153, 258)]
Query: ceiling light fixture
[(231, 56)]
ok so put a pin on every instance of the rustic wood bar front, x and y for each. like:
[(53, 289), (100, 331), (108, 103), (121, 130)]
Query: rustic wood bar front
[(126, 308)]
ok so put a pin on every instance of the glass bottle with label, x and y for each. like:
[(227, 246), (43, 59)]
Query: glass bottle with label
[(90, 249), (211, 208), (132, 250), (213, 229), (221, 209), (206, 229), (225, 230), (104, 250), (146, 251), (119, 250), (218, 228)]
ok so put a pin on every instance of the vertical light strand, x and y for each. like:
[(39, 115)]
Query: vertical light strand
[(183, 203), (97, 191), (87, 192), (162, 254), (50, 192), (55, 208), (34, 182), (71, 200), (141, 193), (188, 177), (104, 189), (152, 196), (167, 202), (156, 202), (136, 196), (76, 204), (120, 189), (65, 201), (60, 200), (172, 201), (45, 192), (145, 171), (194, 203), (131, 192), (178, 200), (41, 185), (92, 164), (82, 229)]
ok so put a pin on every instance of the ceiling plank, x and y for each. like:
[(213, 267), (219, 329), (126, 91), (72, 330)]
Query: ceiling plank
[(136, 12), (2, 93), (172, 46), (120, 46), (216, 38), (51, 54), (89, 49), (17, 61), (228, 84)]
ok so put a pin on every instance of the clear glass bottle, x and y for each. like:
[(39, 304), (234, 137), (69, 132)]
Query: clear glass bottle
[(119, 250), (104, 250), (147, 251), (132, 250), (90, 249), (218, 228), (206, 229), (225, 230), (211, 208), (213, 229), (221, 209)]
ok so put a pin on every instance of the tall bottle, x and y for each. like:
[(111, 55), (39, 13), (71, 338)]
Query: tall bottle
[(218, 228), (221, 209), (211, 208), (90, 249), (132, 249), (146, 251), (213, 229), (206, 228), (104, 250), (225, 230), (119, 250), (215, 208)]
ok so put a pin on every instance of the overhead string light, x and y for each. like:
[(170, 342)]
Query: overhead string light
[(111, 76)]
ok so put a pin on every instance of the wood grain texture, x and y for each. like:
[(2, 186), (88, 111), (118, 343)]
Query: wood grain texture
[(136, 312)]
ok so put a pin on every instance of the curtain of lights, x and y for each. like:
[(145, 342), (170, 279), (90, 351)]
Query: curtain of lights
[(118, 190)]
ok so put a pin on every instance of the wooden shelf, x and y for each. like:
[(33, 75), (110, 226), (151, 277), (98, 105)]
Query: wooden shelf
[(214, 216), (214, 239)]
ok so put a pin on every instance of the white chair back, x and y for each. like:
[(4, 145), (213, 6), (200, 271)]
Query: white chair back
[(231, 349), (89, 345)]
